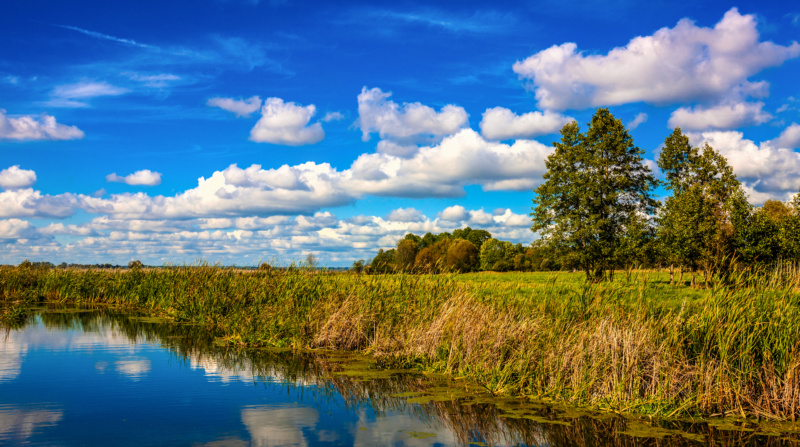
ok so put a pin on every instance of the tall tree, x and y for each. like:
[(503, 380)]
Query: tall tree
[(595, 185), (697, 226)]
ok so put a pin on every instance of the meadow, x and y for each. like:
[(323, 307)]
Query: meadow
[(633, 345)]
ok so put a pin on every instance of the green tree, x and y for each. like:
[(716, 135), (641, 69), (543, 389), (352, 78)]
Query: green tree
[(406, 254), (462, 256), (595, 183), (383, 262), (497, 255), (431, 259), (697, 227)]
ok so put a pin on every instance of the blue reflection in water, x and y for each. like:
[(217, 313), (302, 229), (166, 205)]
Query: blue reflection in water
[(73, 386), (99, 378)]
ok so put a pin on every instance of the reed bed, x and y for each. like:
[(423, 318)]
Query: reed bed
[(636, 345)]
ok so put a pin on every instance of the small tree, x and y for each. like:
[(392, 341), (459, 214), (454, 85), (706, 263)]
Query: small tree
[(358, 266), (135, 265)]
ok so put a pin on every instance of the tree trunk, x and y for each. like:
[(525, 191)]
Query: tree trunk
[(692, 283), (680, 276), (671, 274)]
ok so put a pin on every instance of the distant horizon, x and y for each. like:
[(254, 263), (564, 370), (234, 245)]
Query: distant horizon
[(242, 130)]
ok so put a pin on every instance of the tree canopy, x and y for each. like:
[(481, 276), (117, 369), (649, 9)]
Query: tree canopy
[(596, 184)]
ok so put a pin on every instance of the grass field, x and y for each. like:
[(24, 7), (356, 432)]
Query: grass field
[(636, 344)]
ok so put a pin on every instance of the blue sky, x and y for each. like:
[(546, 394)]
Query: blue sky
[(246, 131)]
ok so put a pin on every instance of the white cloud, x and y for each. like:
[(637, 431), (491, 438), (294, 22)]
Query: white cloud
[(286, 123), (69, 94), (436, 171), (29, 203), (245, 240), (723, 116), (16, 178), (765, 170), (144, 177), (444, 169), (455, 213), (637, 121), (241, 107), (376, 113), (16, 229), (789, 138), (502, 124), (332, 116), (29, 127), (683, 63), (405, 215)]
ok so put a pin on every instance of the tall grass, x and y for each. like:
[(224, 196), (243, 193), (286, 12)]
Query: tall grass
[(634, 345)]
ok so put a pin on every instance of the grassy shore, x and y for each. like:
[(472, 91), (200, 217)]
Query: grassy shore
[(633, 345)]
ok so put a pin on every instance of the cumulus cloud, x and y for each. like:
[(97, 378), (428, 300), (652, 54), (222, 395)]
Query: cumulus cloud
[(441, 170), (16, 229), (455, 213), (636, 122), (144, 177), (683, 63), (246, 240), (241, 107), (377, 113), (405, 215), (502, 124), (767, 171), (29, 203), (722, 116), (29, 128), (789, 138), (286, 123), (16, 178)]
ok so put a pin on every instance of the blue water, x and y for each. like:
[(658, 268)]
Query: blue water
[(94, 378)]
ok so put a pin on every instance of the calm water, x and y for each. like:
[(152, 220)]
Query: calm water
[(96, 378)]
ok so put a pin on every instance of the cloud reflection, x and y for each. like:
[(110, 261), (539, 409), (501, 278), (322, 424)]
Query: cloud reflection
[(18, 425), (270, 427)]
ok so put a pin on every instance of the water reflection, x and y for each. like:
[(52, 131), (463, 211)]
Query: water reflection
[(175, 381), (18, 425)]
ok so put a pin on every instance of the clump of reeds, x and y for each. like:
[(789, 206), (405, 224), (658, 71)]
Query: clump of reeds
[(634, 346)]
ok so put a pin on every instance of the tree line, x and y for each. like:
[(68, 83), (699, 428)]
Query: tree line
[(596, 212)]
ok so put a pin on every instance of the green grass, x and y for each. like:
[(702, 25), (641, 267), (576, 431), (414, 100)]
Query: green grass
[(636, 344)]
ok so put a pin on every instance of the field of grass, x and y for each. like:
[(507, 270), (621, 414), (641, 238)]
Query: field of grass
[(635, 345)]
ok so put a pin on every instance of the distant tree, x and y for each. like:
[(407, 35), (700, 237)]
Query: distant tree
[(383, 262), (772, 233), (134, 265), (406, 254), (595, 183), (358, 266), (493, 251), (432, 259), (462, 256), (311, 261)]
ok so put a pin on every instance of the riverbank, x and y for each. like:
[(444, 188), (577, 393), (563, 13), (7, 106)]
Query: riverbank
[(635, 345)]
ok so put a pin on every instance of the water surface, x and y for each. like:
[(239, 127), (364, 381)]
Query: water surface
[(96, 377)]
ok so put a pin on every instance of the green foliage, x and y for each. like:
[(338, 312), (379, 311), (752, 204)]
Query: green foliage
[(699, 222), (358, 266), (497, 255), (595, 185), (462, 256), (383, 262)]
